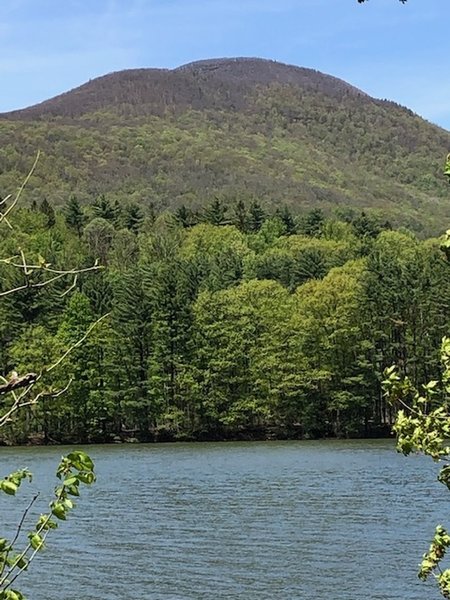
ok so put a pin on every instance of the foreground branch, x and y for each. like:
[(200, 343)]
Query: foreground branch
[(18, 382), (4, 213), (28, 381)]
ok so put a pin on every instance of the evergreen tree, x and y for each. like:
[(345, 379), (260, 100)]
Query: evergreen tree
[(366, 226), (46, 209), (133, 218), (84, 411), (256, 217), (240, 217), (103, 209), (313, 223), (215, 213), (185, 216), (74, 215), (128, 354), (172, 288), (287, 219)]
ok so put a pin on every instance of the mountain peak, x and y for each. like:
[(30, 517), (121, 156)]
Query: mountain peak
[(223, 83)]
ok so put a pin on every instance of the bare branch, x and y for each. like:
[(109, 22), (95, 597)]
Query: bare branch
[(18, 382), (3, 215), (22, 520), (60, 274), (72, 348), (22, 400)]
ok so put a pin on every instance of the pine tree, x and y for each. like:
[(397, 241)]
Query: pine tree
[(133, 218), (215, 213), (185, 216), (287, 219), (313, 223), (256, 217), (240, 217), (46, 208), (103, 209), (74, 215), (172, 288), (129, 353)]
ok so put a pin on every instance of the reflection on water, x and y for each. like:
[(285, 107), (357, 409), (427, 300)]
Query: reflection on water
[(258, 521)]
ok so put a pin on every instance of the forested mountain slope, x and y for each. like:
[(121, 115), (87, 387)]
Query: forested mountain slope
[(234, 129)]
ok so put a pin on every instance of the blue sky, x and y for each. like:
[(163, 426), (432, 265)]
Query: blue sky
[(390, 50)]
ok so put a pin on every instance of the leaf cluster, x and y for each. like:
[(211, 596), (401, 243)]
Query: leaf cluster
[(16, 554)]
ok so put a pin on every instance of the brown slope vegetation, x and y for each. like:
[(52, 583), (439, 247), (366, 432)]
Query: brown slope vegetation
[(235, 128), (220, 84)]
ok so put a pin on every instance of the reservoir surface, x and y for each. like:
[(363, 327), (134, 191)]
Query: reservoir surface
[(326, 520)]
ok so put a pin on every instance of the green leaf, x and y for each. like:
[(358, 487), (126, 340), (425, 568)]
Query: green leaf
[(9, 487), (87, 478), (59, 510), (72, 480), (36, 541)]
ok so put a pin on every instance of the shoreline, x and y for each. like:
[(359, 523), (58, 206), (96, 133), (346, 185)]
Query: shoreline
[(166, 437)]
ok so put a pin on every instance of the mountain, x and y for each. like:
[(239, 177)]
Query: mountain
[(207, 84), (231, 128)]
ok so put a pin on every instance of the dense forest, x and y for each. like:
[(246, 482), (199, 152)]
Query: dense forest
[(237, 128), (227, 323)]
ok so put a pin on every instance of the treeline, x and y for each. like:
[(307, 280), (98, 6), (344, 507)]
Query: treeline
[(231, 323)]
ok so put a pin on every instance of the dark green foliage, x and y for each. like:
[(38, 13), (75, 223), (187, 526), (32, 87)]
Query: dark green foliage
[(240, 216), (133, 218), (103, 209), (287, 219), (185, 216), (256, 217), (74, 215), (313, 222), (128, 353), (215, 213), (365, 225), (49, 212)]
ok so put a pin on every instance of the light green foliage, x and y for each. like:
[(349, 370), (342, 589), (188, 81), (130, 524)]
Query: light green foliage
[(34, 355), (423, 425), (217, 329), (447, 167), (74, 470), (242, 343), (294, 259), (332, 321), (423, 419)]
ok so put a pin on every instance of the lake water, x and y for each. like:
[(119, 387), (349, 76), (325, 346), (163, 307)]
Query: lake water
[(328, 520)]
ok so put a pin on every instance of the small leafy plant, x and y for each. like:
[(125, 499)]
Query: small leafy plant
[(16, 554), (423, 426)]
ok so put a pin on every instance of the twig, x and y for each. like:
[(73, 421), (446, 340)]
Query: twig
[(22, 520), (20, 401), (40, 284), (72, 348), (3, 216), (18, 382)]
